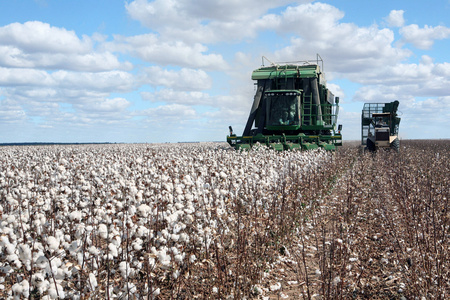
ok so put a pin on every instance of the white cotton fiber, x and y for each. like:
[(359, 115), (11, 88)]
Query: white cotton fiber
[(24, 252), (21, 289), (92, 282), (113, 250), (53, 243), (124, 269), (93, 250), (41, 262), (103, 231), (75, 215), (53, 294), (144, 210)]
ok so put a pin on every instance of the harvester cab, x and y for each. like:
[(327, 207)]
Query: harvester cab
[(380, 125), (292, 109)]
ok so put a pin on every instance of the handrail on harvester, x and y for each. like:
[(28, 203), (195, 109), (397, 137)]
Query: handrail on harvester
[(304, 62)]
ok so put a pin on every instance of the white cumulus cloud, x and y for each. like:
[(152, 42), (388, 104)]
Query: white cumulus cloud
[(36, 44), (183, 79), (423, 38), (395, 18)]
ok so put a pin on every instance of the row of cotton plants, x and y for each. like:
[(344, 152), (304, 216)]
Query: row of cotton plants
[(142, 221)]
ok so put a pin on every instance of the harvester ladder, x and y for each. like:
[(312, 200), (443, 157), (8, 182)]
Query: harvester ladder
[(307, 110), (327, 112)]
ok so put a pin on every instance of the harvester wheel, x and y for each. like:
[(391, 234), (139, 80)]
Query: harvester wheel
[(395, 145)]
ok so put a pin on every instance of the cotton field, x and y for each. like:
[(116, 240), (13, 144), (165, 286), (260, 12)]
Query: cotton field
[(128, 220), (203, 221)]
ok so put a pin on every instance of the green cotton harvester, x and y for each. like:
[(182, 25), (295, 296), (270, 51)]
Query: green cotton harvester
[(292, 109)]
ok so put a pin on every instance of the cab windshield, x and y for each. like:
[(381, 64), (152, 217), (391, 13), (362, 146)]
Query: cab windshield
[(282, 108)]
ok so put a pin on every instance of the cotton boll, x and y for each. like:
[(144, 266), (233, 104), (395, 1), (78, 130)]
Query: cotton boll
[(144, 210), (103, 231), (179, 206), (53, 243), (11, 232), (15, 260), (10, 248), (53, 294), (38, 281), (275, 287), (92, 281), (94, 251), (72, 247), (41, 262), (130, 287), (156, 292), (132, 190), (168, 187), (163, 258), (95, 264), (178, 227), (60, 236), (131, 210), (55, 264), (25, 254), (11, 201), (188, 219), (184, 237), (113, 250), (151, 261), (179, 190), (137, 244), (75, 216), (180, 257), (164, 233), (116, 240), (189, 197), (174, 250), (80, 258), (124, 269), (336, 280), (89, 229), (138, 265), (142, 231), (174, 237), (21, 289)]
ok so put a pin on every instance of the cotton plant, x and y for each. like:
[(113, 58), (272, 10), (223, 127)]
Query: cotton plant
[(76, 213)]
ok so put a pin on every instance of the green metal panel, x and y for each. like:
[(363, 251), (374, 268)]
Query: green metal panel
[(276, 146), (309, 146), (328, 147), (288, 71), (292, 146), (283, 127)]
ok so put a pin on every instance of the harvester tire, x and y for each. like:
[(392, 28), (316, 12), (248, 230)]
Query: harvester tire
[(395, 145)]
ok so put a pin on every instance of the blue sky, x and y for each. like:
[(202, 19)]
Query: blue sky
[(179, 70)]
